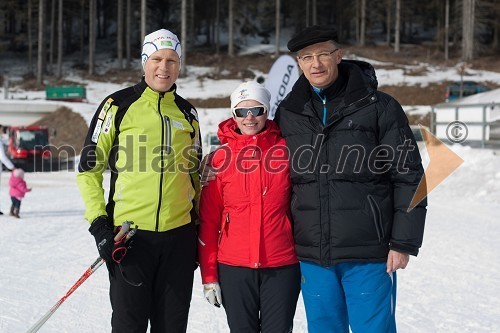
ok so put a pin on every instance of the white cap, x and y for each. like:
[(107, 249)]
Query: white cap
[(251, 90), (160, 39), (19, 173)]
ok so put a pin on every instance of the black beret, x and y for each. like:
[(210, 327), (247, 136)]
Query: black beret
[(311, 35)]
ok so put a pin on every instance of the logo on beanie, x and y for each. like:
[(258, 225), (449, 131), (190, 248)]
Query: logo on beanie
[(243, 94)]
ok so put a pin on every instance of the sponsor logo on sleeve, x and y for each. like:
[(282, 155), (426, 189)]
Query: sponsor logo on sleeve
[(195, 114), (108, 123), (97, 131), (105, 108)]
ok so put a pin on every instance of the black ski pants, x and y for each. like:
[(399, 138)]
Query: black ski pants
[(163, 263), (16, 203), (260, 300)]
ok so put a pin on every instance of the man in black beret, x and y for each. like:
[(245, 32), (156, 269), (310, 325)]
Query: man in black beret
[(355, 167)]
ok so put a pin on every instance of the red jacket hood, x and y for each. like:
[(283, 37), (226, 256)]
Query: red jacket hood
[(227, 132)]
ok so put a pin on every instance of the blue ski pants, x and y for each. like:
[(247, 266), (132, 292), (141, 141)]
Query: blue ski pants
[(358, 295)]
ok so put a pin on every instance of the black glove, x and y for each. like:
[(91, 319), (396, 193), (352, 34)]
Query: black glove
[(102, 230)]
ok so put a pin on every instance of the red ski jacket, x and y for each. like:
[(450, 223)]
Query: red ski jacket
[(244, 212)]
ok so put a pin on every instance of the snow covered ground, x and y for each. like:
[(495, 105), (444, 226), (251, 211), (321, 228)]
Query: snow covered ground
[(452, 286)]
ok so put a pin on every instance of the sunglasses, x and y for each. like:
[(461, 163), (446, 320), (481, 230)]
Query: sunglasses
[(254, 110)]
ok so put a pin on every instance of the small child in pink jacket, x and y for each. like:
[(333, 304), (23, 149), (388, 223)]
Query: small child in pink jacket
[(17, 190)]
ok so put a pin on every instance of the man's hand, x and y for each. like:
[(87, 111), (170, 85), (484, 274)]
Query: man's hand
[(397, 260), (207, 171), (102, 230), (212, 293)]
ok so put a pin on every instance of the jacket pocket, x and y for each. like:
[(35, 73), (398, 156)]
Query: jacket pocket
[(223, 228), (377, 218), (167, 140)]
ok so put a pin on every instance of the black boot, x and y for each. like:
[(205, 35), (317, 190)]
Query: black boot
[(16, 212), (11, 211)]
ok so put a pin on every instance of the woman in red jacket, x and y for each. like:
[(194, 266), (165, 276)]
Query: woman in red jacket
[(246, 249)]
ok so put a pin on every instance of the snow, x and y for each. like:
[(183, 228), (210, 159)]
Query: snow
[(452, 286), (492, 96)]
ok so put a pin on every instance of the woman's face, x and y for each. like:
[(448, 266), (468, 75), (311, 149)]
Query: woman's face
[(249, 124)]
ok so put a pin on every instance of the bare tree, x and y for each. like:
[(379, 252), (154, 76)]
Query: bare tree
[(314, 13), (82, 30), (41, 41), (92, 34), (397, 26), (191, 31), (119, 33), (362, 27), (230, 44), (30, 39), (468, 29), (496, 26), (277, 24), (388, 20), (143, 19), (446, 28), (52, 34), (308, 5), (183, 35), (358, 20), (128, 33), (217, 26), (59, 40)]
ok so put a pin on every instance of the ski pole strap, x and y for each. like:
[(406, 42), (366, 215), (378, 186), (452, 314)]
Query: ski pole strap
[(122, 243)]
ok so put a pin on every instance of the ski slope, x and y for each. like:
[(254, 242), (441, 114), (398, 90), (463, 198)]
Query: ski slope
[(452, 286)]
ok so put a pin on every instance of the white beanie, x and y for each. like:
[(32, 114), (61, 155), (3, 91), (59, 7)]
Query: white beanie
[(160, 39), (250, 90), (18, 173)]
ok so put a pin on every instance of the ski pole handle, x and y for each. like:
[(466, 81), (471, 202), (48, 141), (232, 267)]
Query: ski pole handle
[(123, 230)]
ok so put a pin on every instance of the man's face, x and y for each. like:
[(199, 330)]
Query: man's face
[(161, 70), (321, 69)]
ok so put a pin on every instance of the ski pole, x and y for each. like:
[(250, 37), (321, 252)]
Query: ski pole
[(97, 263)]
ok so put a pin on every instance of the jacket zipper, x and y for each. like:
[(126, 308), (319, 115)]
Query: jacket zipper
[(165, 144), (348, 106), (324, 111)]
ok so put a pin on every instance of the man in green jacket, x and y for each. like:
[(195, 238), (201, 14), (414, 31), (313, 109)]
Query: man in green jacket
[(149, 138)]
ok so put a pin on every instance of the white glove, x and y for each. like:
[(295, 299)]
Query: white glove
[(212, 293)]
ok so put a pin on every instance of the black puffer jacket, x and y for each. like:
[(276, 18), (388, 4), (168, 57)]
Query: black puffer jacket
[(352, 185)]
